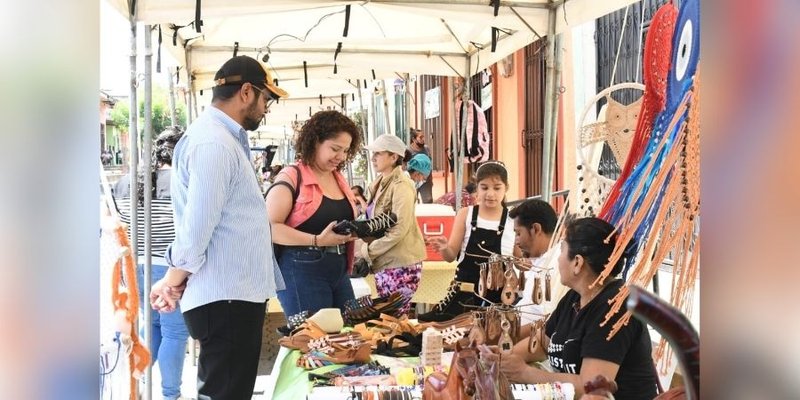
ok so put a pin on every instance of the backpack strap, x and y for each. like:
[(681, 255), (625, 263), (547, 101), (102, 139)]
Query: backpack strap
[(294, 189)]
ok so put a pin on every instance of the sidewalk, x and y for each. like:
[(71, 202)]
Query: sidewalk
[(189, 386)]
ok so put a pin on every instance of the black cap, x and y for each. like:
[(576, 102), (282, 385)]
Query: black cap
[(241, 69)]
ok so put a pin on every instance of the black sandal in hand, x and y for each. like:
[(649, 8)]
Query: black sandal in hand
[(373, 227)]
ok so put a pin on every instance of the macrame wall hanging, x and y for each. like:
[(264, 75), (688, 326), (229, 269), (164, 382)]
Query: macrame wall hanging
[(617, 127), (657, 206), (655, 65)]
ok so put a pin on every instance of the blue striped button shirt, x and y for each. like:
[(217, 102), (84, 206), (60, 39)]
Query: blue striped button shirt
[(222, 235)]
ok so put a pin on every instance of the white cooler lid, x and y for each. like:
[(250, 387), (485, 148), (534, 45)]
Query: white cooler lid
[(434, 210)]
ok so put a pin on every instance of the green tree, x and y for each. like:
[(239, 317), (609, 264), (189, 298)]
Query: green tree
[(360, 161), (161, 113), (120, 115)]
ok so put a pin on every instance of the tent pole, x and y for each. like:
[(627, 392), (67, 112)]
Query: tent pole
[(350, 164), (172, 108), (548, 108), (190, 81), (189, 119), (459, 165), (373, 112), (556, 94), (194, 100), (364, 116), (503, 3), (426, 53), (189, 87), (407, 103), (350, 173), (133, 158), (388, 123), (148, 188), (453, 127), (286, 145)]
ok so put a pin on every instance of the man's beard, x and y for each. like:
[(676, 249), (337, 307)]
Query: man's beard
[(250, 123)]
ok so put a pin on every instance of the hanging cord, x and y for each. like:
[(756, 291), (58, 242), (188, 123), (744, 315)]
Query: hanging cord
[(619, 45), (639, 49), (107, 198)]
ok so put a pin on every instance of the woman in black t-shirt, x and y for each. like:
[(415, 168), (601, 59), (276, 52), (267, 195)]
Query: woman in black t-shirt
[(575, 343)]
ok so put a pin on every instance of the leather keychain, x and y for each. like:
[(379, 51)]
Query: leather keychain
[(498, 280), (482, 281), (509, 294), (492, 323), (505, 344), (477, 334), (547, 294), (489, 274), (536, 337), (536, 295)]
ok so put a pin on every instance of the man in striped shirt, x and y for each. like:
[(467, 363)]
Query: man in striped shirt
[(221, 261)]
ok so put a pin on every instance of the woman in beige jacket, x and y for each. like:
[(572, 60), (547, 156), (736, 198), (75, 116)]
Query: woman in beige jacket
[(396, 257)]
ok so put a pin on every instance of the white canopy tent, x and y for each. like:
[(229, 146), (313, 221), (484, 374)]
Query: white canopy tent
[(384, 38), (313, 40), (435, 37)]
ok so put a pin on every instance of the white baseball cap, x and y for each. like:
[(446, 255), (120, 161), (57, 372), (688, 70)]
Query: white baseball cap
[(388, 142)]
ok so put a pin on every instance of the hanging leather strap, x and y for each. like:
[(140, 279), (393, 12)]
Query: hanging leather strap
[(197, 21), (158, 54)]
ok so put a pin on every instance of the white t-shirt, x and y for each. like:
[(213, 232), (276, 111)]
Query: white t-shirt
[(506, 242), (548, 260)]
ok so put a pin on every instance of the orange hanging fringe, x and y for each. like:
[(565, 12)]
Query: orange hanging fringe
[(675, 226), (126, 307)]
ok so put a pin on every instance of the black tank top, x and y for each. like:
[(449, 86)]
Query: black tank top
[(329, 210)]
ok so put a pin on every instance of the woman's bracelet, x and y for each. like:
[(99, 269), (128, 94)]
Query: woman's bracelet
[(314, 241)]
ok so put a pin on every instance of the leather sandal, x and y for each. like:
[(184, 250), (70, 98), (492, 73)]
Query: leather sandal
[(329, 343), (302, 336), (317, 359)]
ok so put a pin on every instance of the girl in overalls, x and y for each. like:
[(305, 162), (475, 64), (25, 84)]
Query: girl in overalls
[(478, 231)]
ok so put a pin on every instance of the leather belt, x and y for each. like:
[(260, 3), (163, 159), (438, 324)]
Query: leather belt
[(339, 249)]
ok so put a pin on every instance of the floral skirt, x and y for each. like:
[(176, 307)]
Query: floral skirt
[(401, 279)]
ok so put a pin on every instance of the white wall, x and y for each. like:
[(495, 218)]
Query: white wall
[(584, 57)]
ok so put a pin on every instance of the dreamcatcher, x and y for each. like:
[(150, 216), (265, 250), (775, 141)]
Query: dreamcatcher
[(617, 130), (658, 204)]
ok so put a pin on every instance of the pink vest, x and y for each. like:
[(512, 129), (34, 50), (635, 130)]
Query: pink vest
[(309, 198)]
